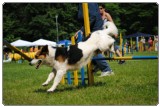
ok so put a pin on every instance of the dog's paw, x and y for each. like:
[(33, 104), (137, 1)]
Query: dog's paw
[(44, 84), (112, 51), (50, 91)]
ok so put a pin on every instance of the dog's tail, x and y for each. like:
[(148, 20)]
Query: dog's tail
[(110, 28)]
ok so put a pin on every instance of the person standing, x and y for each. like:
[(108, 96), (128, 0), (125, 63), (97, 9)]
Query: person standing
[(150, 44), (156, 43), (143, 42)]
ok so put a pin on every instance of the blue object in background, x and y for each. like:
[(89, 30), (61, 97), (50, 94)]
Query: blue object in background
[(63, 42)]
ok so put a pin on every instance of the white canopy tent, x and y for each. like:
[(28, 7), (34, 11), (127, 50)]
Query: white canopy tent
[(42, 42), (21, 43)]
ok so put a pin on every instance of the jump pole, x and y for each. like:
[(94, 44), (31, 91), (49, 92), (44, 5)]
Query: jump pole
[(87, 32), (69, 80), (121, 40), (75, 73), (129, 58), (17, 50), (82, 69)]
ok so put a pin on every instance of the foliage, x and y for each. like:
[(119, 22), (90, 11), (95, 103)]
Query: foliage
[(135, 17), (31, 21)]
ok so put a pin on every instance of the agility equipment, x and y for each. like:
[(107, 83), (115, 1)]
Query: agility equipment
[(75, 79), (16, 50), (87, 32), (128, 58)]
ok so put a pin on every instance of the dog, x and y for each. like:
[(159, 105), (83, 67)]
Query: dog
[(74, 56)]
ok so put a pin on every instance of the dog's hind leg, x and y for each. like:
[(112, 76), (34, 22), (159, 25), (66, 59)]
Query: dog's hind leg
[(50, 77), (112, 48), (57, 80)]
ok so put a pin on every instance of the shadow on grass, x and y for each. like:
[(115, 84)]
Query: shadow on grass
[(40, 90), (70, 87)]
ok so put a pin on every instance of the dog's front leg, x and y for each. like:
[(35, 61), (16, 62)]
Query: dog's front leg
[(57, 80), (50, 77)]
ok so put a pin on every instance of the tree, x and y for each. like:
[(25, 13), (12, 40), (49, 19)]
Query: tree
[(32, 21), (140, 17)]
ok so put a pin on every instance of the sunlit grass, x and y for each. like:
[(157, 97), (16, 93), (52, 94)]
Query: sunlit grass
[(134, 83)]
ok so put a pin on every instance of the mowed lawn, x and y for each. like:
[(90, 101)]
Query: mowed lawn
[(134, 83)]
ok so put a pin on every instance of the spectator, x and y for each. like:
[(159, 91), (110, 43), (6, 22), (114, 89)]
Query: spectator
[(156, 43), (35, 49), (96, 23), (143, 42), (128, 46), (31, 49), (150, 44)]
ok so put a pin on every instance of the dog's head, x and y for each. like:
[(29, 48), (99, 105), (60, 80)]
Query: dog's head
[(40, 56), (110, 28)]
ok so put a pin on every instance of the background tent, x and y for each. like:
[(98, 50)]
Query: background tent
[(63, 42), (21, 43), (42, 42), (138, 34)]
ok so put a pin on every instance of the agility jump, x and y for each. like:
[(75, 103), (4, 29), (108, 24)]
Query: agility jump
[(128, 58), (89, 67), (87, 31)]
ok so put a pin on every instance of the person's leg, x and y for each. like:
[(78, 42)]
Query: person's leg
[(119, 54), (148, 47), (156, 46), (95, 66), (103, 66), (144, 47)]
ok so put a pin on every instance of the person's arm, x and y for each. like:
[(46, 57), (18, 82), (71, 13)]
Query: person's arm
[(109, 18), (76, 34)]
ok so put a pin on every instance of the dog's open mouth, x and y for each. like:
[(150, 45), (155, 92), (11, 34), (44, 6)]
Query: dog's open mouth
[(38, 64)]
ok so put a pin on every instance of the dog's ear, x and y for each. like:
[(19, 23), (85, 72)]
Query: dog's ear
[(38, 53), (44, 49)]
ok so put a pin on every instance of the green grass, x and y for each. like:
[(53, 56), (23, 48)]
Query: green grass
[(134, 83)]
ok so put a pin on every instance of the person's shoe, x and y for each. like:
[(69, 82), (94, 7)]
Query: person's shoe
[(121, 62), (108, 73)]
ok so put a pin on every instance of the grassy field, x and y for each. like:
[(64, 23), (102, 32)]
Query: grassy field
[(134, 83)]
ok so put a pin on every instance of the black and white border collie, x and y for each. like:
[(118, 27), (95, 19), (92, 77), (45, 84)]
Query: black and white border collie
[(74, 56)]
